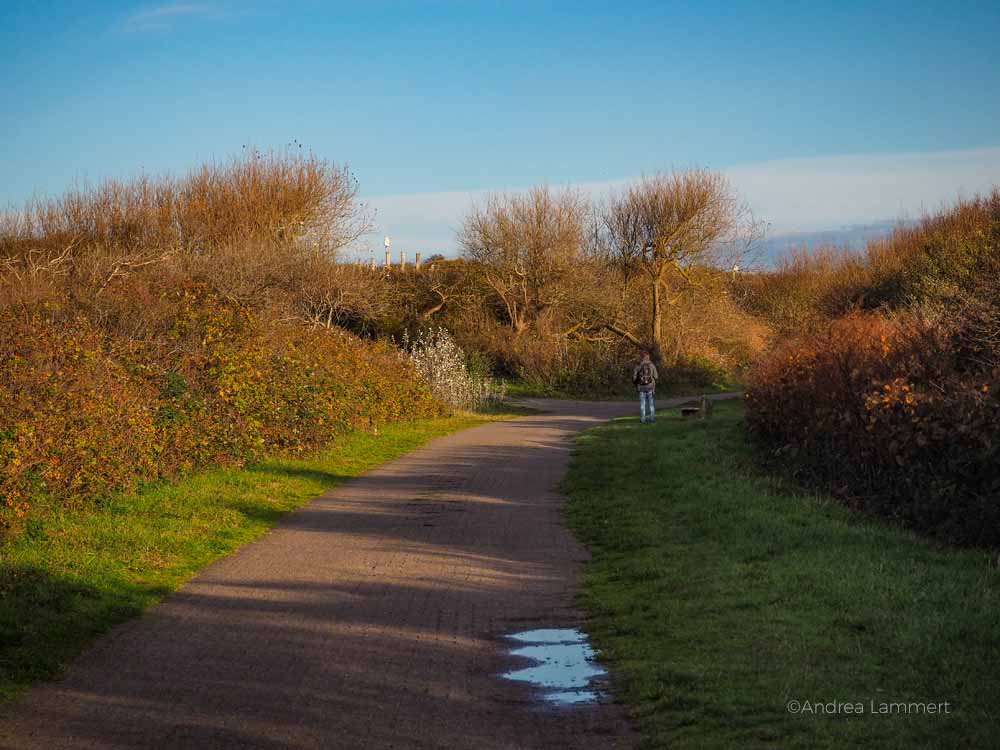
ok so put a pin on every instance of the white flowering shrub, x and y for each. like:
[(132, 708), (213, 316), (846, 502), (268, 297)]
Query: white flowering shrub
[(441, 362)]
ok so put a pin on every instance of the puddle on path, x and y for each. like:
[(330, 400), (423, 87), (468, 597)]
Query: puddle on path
[(564, 665)]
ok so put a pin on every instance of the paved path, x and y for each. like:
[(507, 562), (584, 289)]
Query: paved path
[(370, 618)]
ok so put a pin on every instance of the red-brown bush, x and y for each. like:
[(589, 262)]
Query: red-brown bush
[(888, 414), (896, 409)]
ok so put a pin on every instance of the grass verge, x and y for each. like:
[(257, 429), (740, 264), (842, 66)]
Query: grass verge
[(667, 389), (719, 595), (72, 575)]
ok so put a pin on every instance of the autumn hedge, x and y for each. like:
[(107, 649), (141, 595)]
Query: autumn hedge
[(897, 409), (153, 327), (82, 414)]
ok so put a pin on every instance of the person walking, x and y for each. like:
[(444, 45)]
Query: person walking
[(644, 377)]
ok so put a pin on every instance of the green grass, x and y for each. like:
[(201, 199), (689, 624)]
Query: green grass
[(718, 595), (72, 575), (669, 389), (672, 388), (539, 389)]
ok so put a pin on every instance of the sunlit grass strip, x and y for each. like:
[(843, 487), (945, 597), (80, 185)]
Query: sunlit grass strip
[(718, 596), (73, 575)]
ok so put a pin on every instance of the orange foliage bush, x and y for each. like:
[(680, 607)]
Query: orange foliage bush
[(170, 376), (71, 417), (151, 327), (895, 409), (892, 415)]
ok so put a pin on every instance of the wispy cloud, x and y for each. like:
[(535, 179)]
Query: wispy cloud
[(794, 195), (167, 16), (803, 195)]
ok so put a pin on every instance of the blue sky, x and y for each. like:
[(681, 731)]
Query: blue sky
[(433, 104)]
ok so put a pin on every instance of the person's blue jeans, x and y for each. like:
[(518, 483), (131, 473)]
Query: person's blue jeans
[(647, 406)]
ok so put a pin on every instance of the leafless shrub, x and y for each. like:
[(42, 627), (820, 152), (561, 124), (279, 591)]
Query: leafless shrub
[(669, 234), (249, 224), (526, 247)]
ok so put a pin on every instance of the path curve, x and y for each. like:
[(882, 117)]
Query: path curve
[(372, 617)]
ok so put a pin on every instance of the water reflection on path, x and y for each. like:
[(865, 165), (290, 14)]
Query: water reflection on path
[(564, 665)]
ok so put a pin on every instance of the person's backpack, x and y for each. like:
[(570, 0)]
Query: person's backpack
[(644, 376)]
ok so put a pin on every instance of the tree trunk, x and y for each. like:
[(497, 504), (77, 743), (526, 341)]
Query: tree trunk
[(520, 326), (655, 332)]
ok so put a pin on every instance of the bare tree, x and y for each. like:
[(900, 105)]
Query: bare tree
[(525, 247), (436, 289), (660, 236), (449, 286), (329, 295)]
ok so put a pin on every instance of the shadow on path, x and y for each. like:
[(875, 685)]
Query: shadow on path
[(370, 618)]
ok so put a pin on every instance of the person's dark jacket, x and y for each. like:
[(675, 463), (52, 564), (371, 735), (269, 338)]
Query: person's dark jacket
[(652, 383)]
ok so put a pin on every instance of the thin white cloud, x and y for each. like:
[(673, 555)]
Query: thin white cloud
[(166, 16), (799, 195), (794, 195)]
